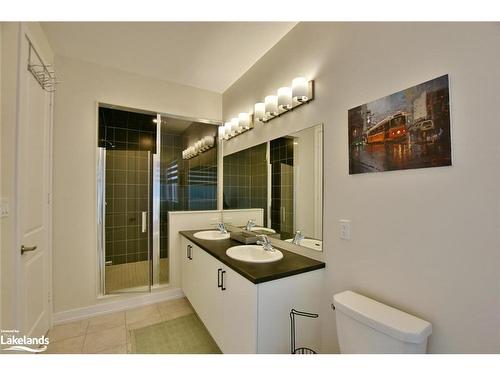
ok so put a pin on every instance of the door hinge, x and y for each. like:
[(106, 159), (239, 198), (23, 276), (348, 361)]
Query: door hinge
[(48, 198), (49, 297)]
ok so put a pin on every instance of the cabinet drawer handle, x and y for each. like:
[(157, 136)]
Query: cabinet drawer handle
[(222, 286), (219, 278), (189, 252)]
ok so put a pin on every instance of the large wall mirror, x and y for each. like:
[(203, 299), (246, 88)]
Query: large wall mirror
[(282, 177)]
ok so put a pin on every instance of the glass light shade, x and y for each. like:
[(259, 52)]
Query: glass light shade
[(271, 102), (227, 130), (284, 98), (221, 132), (300, 89), (259, 111), (244, 120), (209, 141), (235, 126)]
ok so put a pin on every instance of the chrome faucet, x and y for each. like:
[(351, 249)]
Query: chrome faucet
[(250, 224), (297, 238), (266, 244), (222, 228)]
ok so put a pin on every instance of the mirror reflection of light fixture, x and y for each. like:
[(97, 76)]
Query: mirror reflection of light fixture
[(271, 102), (260, 111), (300, 89), (284, 98), (199, 146)]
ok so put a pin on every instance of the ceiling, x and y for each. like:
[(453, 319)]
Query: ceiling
[(207, 55)]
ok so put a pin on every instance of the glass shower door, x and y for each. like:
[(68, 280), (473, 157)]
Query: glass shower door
[(127, 207)]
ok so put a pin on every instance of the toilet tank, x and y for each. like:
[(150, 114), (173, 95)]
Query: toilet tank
[(367, 326)]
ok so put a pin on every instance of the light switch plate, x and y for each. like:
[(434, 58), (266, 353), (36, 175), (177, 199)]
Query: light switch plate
[(345, 229), (4, 207)]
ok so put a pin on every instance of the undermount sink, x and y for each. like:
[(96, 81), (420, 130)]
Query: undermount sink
[(310, 243), (253, 254), (211, 235)]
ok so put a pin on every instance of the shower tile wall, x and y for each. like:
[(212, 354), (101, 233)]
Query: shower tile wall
[(127, 195), (127, 137), (245, 179), (281, 152), (185, 185)]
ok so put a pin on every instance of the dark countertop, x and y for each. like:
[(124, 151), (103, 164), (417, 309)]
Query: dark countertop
[(291, 263)]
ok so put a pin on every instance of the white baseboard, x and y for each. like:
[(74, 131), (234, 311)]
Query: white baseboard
[(116, 306)]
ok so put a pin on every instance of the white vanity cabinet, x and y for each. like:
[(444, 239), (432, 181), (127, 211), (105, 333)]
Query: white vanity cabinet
[(244, 317)]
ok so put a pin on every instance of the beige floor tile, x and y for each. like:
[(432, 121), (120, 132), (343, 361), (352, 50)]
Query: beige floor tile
[(68, 346), (120, 349), (142, 313), (110, 338), (103, 322), (66, 331), (173, 305), (186, 310), (145, 322)]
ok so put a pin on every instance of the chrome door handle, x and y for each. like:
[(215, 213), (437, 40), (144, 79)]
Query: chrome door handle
[(144, 221), (25, 249)]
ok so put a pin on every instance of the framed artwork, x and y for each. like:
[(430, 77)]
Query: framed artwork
[(408, 129)]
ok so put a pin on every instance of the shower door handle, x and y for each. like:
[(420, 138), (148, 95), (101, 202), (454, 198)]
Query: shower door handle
[(144, 221)]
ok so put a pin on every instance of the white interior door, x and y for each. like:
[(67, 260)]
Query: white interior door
[(33, 180)]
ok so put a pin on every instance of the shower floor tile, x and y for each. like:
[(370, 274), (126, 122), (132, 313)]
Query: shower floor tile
[(126, 276)]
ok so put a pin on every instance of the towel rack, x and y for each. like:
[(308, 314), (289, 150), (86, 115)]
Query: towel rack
[(44, 74)]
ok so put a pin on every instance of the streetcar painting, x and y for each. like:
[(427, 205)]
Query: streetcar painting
[(392, 128), (408, 129)]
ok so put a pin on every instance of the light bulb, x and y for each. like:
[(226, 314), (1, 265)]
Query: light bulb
[(284, 98), (244, 120), (259, 111), (271, 105), (235, 126), (300, 90)]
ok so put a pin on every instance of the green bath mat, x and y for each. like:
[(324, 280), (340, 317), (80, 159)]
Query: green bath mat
[(184, 335)]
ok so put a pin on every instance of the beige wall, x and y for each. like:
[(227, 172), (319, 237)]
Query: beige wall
[(10, 37), (434, 250), (75, 146)]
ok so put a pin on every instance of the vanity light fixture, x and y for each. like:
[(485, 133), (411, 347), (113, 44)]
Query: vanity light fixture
[(300, 89), (198, 147), (287, 99), (235, 126), (260, 111), (271, 102), (245, 121), (284, 98), (301, 92)]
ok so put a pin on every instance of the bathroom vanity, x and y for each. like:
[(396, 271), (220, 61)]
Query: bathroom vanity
[(246, 306)]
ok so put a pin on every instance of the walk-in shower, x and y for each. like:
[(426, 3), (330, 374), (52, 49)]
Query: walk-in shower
[(141, 177)]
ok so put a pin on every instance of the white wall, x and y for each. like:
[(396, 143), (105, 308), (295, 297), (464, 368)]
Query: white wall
[(10, 38), (434, 251), (75, 145)]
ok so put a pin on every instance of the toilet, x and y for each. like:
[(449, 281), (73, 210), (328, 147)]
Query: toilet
[(366, 326)]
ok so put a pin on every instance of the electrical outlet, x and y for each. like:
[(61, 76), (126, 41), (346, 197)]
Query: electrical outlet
[(4, 207), (345, 229)]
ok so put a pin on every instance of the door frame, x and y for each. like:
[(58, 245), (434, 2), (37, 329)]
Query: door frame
[(25, 36), (155, 209)]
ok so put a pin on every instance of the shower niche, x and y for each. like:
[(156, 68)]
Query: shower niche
[(142, 176)]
